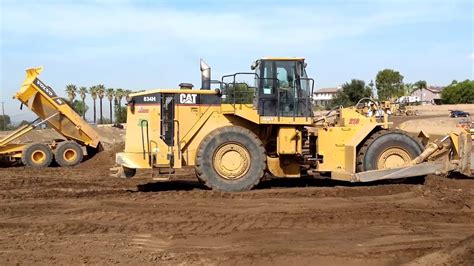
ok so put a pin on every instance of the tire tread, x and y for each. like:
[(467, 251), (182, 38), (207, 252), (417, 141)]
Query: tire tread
[(200, 159)]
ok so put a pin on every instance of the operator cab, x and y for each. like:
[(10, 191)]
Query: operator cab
[(283, 87)]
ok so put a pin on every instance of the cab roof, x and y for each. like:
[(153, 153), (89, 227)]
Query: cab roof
[(283, 58)]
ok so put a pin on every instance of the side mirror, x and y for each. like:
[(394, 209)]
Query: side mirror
[(254, 65), (131, 104)]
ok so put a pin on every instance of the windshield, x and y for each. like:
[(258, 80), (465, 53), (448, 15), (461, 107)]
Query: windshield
[(283, 87)]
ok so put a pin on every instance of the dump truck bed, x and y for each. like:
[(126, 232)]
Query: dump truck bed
[(47, 105)]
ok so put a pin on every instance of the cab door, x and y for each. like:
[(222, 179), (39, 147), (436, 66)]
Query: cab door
[(167, 127), (167, 119)]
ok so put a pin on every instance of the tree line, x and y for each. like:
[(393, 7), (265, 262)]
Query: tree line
[(389, 85), (100, 92), (459, 92)]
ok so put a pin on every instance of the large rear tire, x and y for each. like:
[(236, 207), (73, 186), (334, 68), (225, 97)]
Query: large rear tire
[(37, 155), (68, 153), (231, 158), (387, 149)]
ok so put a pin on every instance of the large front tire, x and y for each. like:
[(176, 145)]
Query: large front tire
[(231, 158), (387, 149)]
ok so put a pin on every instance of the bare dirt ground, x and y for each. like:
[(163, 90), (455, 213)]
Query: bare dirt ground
[(81, 215)]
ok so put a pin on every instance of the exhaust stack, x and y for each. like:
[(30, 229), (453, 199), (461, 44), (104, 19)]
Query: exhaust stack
[(205, 76)]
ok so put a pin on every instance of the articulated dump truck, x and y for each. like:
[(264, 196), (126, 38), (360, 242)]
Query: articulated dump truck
[(236, 134), (81, 138)]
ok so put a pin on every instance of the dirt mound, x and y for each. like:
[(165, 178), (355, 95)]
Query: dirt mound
[(435, 126), (443, 109), (109, 135), (104, 159)]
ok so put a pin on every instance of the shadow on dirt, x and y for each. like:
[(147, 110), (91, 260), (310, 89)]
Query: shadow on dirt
[(186, 185), (460, 176), (170, 185)]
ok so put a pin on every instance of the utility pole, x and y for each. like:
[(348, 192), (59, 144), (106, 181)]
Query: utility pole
[(3, 116)]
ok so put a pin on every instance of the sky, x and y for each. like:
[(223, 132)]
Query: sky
[(142, 44)]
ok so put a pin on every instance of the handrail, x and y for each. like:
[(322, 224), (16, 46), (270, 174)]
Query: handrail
[(147, 140), (297, 99), (233, 82), (178, 139)]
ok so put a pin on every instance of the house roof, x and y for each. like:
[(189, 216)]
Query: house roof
[(328, 90), (434, 89)]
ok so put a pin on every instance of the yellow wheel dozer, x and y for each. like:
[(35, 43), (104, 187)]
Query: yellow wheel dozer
[(235, 134)]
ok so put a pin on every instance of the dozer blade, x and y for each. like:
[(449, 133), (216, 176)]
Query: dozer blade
[(436, 167)]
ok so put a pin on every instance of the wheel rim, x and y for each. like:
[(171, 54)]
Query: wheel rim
[(69, 155), (38, 157), (231, 161), (392, 158)]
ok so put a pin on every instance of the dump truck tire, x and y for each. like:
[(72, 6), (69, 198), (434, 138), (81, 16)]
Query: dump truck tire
[(387, 149), (37, 155), (68, 153), (231, 159)]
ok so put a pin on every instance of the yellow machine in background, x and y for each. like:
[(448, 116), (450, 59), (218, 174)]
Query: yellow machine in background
[(235, 134), (398, 109), (53, 110)]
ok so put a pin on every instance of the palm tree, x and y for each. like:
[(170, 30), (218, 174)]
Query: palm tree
[(119, 113), (83, 92), (71, 90), (93, 92), (127, 95), (101, 94), (110, 96), (119, 94)]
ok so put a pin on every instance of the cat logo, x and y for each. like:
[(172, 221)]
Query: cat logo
[(187, 98)]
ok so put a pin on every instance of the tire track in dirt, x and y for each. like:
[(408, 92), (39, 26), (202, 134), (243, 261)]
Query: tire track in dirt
[(182, 218)]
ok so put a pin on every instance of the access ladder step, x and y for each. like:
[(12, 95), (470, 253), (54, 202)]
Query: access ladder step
[(161, 178), (166, 171)]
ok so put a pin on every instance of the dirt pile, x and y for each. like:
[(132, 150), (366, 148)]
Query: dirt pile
[(104, 159), (435, 126), (443, 109)]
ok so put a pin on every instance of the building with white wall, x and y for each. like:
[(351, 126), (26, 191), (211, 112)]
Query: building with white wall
[(324, 96)]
